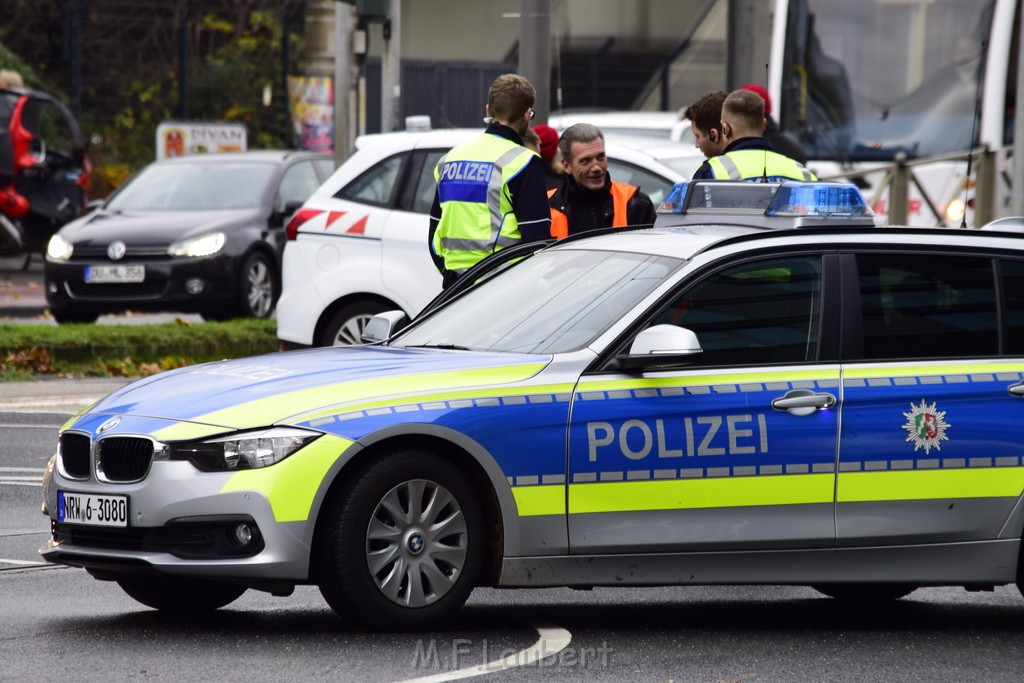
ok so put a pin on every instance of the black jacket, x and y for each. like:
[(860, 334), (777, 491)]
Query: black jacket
[(591, 209)]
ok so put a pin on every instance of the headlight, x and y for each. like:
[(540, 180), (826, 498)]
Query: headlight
[(243, 451), (205, 245), (59, 249)]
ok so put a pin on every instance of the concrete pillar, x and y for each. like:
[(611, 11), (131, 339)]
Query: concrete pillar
[(391, 69), (535, 53)]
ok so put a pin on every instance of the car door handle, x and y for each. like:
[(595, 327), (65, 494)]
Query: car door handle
[(1017, 389), (803, 402)]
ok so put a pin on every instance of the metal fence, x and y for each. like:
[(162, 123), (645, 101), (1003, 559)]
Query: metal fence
[(452, 94)]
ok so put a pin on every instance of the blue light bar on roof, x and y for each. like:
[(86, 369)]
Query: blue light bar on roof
[(788, 199), (819, 199)]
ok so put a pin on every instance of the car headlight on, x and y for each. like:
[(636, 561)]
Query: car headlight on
[(195, 247), (59, 249), (244, 451)]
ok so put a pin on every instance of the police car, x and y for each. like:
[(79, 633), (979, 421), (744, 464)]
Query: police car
[(776, 394), (358, 246)]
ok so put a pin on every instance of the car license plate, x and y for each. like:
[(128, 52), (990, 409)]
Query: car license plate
[(115, 273), (87, 508)]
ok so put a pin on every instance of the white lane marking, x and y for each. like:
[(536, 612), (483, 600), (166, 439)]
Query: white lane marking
[(553, 639), (21, 476), (22, 563), (8, 425)]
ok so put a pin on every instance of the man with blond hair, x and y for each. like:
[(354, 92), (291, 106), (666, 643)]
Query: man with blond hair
[(491, 191)]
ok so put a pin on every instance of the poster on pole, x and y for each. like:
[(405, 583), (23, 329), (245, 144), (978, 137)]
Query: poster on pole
[(311, 101), (178, 138)]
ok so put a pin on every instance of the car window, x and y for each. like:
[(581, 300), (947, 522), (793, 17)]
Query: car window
[(1013, 307), (927, 307), (651, 184), (195, 186), (377, 185), (555, 302), (298, 183), (764, 311), (423, 195), (325, 166)]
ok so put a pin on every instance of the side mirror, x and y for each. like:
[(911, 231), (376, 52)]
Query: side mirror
[(383, 325), (288, 211), (661, 346)]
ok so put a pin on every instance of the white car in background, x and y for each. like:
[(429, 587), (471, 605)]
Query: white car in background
[(663, 125), (358, 246)]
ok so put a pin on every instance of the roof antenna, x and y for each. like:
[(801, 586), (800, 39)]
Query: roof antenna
[(764, 166), (974, 127)]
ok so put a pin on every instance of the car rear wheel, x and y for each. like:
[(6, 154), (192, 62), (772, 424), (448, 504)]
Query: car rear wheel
[(179, 594), (866, 593), (258, 288), (65, 316), (345, 327), (402, 544)]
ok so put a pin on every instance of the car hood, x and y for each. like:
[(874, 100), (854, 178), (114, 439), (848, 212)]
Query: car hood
[(288, 388), (151, 228)]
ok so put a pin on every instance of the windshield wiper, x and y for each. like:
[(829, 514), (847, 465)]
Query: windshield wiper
[(446, 347)]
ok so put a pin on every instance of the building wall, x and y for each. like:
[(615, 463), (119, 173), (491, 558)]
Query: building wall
[(488, 30)]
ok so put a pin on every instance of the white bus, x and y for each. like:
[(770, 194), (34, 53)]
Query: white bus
[(862, 83)]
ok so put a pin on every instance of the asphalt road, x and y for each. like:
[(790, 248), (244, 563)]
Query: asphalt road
[(59, 623)]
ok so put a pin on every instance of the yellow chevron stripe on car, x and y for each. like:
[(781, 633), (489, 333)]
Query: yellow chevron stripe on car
[(272, 409), (982, 482), (185, 431), (539, 500), (291, 484), (438, 397), (682, 494)]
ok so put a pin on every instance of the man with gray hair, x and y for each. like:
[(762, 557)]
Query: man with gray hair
[(587, 198)]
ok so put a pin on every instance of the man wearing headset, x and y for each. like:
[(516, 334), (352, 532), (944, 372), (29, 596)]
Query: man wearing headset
[(748, 155), (705, 117)]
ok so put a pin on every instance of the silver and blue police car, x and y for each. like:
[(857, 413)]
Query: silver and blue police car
[(763, 388)]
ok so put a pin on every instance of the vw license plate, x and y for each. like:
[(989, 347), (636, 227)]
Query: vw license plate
[(85, 508), (115, 273)]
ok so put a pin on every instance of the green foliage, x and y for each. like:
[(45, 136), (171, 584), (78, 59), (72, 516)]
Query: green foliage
[(127, 350), (128, 88)]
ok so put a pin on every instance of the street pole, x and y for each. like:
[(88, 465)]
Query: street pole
[(535, 52), (1017, 188), (344, 22), (391, 68)]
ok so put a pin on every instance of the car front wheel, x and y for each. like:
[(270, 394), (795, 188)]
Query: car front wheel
[(345, 328), (65, 316), (402, 545), (179, 594), (258, 286)]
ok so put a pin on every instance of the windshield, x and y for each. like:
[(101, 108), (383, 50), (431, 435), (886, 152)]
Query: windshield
[(864, 80), (556, 301), (194, 187)]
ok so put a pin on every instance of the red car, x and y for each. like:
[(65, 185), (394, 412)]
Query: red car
[(44, 171)]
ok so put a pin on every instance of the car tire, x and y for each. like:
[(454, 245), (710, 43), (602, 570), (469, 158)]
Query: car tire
[(258, 287), (402, 544), (65, 316), (180, 594), (345, 328), (866, 593)]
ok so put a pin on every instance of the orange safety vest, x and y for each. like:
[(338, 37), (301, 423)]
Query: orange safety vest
[(621, 194)]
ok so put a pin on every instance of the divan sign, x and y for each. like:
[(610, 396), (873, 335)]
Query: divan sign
[(178, 138)]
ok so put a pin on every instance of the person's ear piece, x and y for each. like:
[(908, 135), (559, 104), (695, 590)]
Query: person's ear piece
[(713, 135)]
